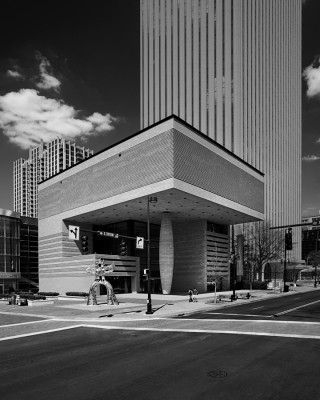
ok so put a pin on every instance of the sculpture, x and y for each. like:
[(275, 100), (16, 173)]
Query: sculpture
[(100, 270)]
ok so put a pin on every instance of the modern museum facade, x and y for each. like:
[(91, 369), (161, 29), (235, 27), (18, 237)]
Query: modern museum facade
[(168, 181)]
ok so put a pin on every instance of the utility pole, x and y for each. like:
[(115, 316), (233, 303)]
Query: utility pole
[(315, 265), (287, 246)]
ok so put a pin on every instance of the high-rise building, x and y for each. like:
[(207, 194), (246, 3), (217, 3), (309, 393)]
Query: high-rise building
[(232, 69), (45, 160)]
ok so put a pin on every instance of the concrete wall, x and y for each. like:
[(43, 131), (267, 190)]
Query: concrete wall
[(190, 256), (68, 274), (181, 154), (112, 175)]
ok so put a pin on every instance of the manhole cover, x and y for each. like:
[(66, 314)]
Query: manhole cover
[(218, 374)]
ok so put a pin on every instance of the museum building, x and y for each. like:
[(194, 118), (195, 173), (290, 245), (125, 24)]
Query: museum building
[(184, 186)]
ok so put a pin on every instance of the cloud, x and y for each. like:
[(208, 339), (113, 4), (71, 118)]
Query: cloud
[(312, 76), (310, 158), (14, 74), (26, 118), (47, 80)]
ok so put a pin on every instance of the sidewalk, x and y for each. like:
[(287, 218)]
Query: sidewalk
[(134, 305)]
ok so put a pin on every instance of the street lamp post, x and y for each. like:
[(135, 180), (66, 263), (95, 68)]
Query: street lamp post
[(233, 265), (149, 304), (315, 265), (233, 275)]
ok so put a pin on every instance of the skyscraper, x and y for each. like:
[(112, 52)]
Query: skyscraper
[(232, 69), (44, 161)]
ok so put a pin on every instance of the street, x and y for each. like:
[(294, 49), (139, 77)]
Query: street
[(266, 349), (90, 363), (294, 307)]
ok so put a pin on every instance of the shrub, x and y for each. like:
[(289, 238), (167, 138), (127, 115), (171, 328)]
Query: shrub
[(31, 296), (79, 294), (259, 285), (48, 293), (256, 285)]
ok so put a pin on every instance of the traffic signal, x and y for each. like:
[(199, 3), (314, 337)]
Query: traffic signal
[(123, 248), (84, 243), (288, 239)]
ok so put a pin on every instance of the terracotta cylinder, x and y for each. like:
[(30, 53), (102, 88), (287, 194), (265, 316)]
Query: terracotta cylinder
[(166, 253)]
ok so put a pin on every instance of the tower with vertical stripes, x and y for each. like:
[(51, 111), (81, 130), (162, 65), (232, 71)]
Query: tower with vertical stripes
[(45, 160), (232, 69)]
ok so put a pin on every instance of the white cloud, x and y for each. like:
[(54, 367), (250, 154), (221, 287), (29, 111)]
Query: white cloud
[(312, 76), (310, 158), (26, 118), (14, 74), (47, 80)]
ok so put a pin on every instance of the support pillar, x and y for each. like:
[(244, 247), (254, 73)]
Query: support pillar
[(166, 253)]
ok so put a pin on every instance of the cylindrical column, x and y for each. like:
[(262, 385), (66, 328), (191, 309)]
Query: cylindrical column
[(166, 253)]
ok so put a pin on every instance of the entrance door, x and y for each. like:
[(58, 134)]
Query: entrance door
[(120, 284)]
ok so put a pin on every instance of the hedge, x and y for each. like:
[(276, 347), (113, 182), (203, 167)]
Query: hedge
[(256, 285), (48, 293), (30, 296), (79, 294)]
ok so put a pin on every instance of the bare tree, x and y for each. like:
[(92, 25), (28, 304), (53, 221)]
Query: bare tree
[(262, 245), (314, 257)]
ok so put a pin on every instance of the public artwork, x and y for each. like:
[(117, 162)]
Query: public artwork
[(100, 270)]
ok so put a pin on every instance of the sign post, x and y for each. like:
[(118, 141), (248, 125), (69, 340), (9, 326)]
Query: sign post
[(140, 243), (74, 232)]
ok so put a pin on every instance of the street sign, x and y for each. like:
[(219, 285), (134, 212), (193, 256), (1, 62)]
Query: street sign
[(74, 232), (108, 234), (139, 242)]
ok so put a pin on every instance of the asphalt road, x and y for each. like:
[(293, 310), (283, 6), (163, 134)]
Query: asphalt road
[(90, 363), (9, 319), (294, 307)]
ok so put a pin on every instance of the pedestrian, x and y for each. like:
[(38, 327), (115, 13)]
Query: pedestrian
[(195, 294), (190, 293)]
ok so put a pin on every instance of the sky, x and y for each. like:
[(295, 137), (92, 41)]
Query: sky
[(72, 69)]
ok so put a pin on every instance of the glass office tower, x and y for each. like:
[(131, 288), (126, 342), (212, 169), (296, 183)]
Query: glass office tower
[(9, 250)]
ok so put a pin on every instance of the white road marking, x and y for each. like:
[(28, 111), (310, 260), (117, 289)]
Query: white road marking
[(248, 321), (181, 330), (24, 323), (239, 315), (208, 331), (39, 333), (297, 308), (255, 308)]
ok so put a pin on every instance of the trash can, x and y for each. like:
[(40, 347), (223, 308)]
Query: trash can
[(286, 288), (13, 299)]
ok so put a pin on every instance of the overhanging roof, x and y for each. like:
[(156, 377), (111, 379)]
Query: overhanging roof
[(191, 176)]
